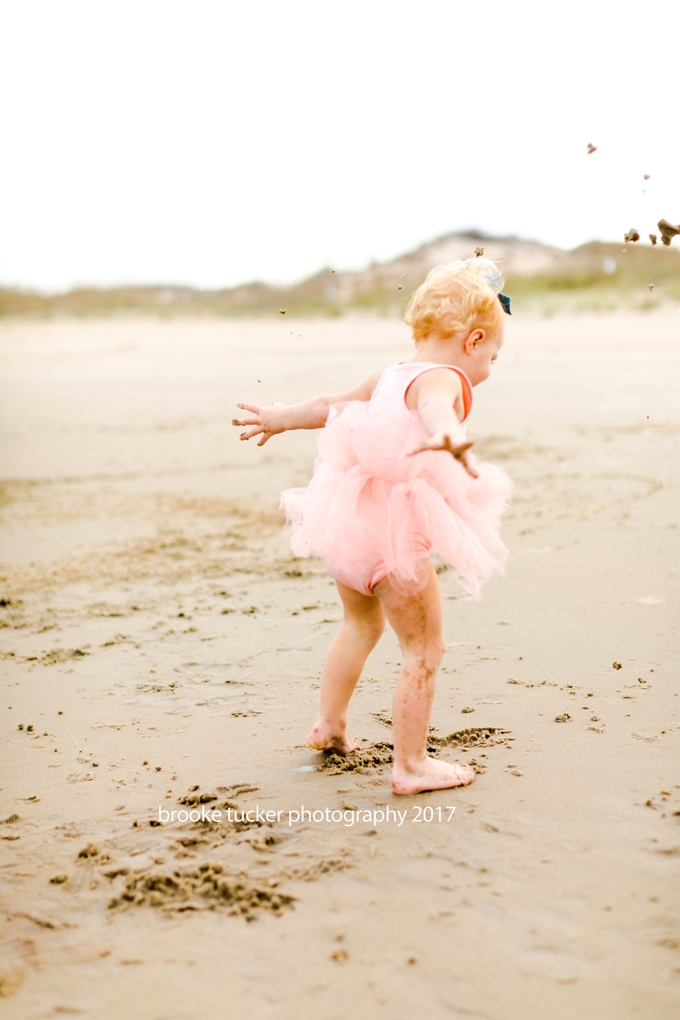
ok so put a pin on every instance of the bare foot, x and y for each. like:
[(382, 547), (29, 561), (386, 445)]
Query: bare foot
[(324, 737), (431, 775)]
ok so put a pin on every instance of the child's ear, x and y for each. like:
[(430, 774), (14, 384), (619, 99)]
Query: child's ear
[(474, 339)]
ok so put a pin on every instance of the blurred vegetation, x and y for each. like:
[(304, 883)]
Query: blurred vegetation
[(598, 276), (595, 276)]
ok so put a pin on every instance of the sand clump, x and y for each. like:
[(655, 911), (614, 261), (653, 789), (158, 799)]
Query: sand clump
[(126, 872), (377, 755), (668, 231), (206, 887), (362, 760)]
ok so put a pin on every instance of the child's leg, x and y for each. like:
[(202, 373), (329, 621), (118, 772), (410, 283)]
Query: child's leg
[(362, 626), (417, 622)]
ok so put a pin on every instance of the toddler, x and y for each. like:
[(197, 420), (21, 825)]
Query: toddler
[(395, 478)]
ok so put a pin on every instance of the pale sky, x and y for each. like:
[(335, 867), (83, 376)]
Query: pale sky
[(217, 142)]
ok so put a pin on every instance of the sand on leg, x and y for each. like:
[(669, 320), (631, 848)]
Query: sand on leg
[(417, 622), (363, 624)]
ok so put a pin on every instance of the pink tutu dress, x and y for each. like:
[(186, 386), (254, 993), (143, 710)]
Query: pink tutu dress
[(371, 510)]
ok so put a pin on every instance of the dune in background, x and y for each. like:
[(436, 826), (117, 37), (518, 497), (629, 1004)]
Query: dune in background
[(593, 277), (161, 651)]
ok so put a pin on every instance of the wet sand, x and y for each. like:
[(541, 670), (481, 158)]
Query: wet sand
[(162, 649)]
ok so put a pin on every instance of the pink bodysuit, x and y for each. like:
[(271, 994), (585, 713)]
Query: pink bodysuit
[(371, 510)]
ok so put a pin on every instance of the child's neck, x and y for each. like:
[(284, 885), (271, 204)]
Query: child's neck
[(441, 351)]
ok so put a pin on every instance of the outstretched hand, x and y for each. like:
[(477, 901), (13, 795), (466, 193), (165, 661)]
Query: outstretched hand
[(443, 441), (266, 422)]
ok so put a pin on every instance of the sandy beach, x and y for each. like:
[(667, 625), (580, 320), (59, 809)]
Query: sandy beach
[(161, 651)]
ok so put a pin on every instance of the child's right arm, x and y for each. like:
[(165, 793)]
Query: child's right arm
[(310, 414)]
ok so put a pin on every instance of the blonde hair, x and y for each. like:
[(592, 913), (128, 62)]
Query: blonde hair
[(455, 299)]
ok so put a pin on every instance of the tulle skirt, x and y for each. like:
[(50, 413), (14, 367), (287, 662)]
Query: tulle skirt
[(371, 511)]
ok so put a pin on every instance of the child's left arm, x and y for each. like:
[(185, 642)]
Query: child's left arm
[(310, 414), (438, 398)]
